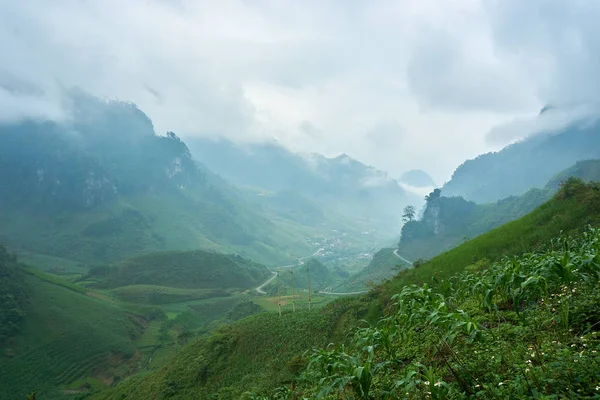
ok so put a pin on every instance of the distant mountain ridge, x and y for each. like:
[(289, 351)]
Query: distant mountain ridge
[(448, 221), (103, 186), (529, 163), (341, 183)]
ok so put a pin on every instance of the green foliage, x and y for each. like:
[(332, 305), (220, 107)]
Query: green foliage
[(13, 295), (320, 276), (575, 206), (409, 213), (195, 269), (384, 265), (256, 355), (449, 221), (67, 336), (503, 332)]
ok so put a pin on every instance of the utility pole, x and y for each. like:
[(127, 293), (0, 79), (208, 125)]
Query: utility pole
[(278, 296), (293, 295), (308, 273)]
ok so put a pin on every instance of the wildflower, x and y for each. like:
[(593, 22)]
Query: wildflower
[(501, 383), (532, 355), (526, 369), (438, 383), (478, 386), (597, 387)]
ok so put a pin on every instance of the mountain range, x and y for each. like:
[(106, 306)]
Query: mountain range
[(526, 164), (342, 183)]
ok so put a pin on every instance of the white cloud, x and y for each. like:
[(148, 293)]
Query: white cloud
[(398, 84)]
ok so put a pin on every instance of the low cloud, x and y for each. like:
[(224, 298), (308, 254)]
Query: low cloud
[(554, 120), (399, 84)]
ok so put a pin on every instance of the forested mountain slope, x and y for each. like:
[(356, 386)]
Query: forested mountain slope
[(102, 186), (449, 221), (529, 163)]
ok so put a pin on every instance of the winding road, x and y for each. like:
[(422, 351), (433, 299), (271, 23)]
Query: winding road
[(260, 290), (402, 258)]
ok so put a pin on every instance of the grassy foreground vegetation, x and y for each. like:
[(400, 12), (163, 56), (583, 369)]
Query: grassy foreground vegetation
[(493, 323), (525, 327)]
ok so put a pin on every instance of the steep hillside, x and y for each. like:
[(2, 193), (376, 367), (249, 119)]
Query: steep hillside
[(529, 163), (257, 354), (587, 171), (69, 341), (182, 269), (449, 221), (103, 186), (384, 265), (320, 276), (13, 295), (341, 184), (525, 327), (575, 206)]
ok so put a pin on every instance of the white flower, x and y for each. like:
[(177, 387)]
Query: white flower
[(438, 383), (501, 383)]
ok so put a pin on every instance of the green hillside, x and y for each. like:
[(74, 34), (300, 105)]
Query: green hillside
[(571, 209), (13, 296), (524, 327), (587, 171), (320, 276), (526, 164), (182, 269), (69, 341), (258, 353), (384, 265), (449, 221), (104, 186), (386, 358)]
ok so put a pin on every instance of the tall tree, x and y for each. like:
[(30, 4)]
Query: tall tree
[(409, 213)]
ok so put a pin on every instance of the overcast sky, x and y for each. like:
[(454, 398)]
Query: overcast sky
[(397, 84)]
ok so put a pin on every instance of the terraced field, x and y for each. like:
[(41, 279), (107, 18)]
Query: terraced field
[(67, 336), (154, 294), (151, 336)]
